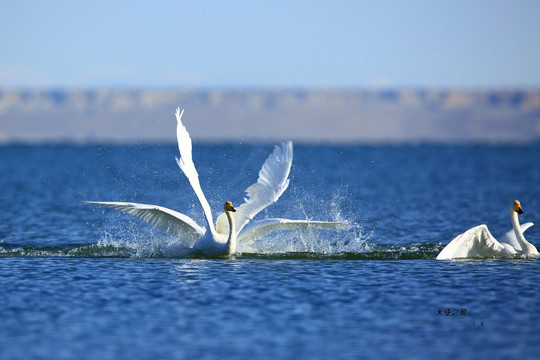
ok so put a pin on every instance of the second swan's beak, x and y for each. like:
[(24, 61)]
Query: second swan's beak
[(234, 210)]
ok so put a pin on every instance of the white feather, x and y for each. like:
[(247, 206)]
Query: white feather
[(272, 182), (261, 228), (188, 167), (476, 242), (164, 219)]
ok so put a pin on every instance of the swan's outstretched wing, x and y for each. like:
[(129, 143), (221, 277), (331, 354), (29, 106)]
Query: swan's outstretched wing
[(272, 182), (188, 167), (258, 229), (167, 220), (474, 243), (510, 236)]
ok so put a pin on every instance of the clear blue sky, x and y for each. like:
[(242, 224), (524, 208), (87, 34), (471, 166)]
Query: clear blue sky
[(261, 44)]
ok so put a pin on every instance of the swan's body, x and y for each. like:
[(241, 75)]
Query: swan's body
[(213, 243), (479, 243), (231, 225)]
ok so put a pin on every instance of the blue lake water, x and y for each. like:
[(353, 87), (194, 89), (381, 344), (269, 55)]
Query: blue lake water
[(85, 282)]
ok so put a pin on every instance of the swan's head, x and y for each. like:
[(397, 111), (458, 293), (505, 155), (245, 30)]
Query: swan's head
[(516, 206), (228, 206)]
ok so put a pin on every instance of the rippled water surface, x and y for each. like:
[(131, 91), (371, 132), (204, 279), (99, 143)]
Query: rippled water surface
[(83, 282)]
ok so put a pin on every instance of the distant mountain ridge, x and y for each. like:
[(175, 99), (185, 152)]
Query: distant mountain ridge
[(270, 115)]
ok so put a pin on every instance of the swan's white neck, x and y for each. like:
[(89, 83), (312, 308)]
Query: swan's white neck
[(231, 241), (526, 247)]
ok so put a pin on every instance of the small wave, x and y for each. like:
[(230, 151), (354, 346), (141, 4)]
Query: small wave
[(69, 250), (311, 244), (108, 249)]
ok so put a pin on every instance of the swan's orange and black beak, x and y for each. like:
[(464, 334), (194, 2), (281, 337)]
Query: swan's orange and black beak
[(518, 210), (228, 206)]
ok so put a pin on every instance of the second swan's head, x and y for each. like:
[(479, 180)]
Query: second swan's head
[(228, 206), (516, 206)]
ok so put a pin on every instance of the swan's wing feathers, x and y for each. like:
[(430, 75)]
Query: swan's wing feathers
[(510, 236), (261, 228), (473, 243), (272, 182), (188, 167), (167, 220)]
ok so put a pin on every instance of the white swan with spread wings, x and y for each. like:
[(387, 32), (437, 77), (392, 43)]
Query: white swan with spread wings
[(231, 225), (479, 243)]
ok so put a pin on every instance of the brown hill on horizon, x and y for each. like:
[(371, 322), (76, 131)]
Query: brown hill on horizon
[(254, 116)]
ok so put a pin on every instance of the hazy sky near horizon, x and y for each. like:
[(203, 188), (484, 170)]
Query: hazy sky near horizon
[(271, 44)]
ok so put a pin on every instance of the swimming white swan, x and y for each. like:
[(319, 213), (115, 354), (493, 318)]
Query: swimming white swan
[(231, 225), (478, 241)]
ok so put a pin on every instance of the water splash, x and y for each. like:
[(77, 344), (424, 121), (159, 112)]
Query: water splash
[(125, 236), (148, 246), (131, 238), (311, 240), (282, 247)]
